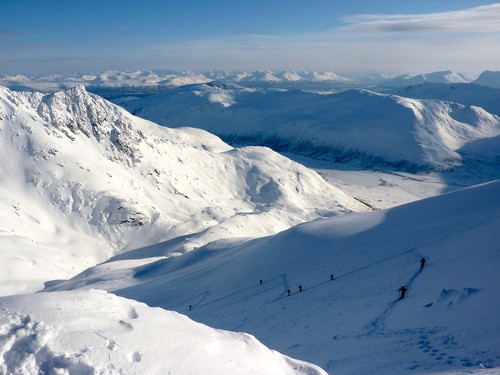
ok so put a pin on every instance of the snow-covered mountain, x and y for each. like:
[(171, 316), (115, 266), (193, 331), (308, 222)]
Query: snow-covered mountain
[(80, 172), (264, 76), (468, 94), (180, 219), (111, 79), (267, 76), (488, 78), (353, 324), (435, 77), (114, 82), (354, 124)]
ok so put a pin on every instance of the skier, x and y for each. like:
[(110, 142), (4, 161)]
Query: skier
[(288, 291), (300, 288), (260, 282), (331, 277), (190, 307), (422, 263), (403, 291)]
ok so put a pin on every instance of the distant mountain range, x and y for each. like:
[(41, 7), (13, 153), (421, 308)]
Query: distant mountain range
[(436, 77), (113, 82), (164, 79)]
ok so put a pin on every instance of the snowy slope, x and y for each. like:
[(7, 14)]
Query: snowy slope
[(468, 94), (355, 124), (435, 77), (488, 78), (98, 333), (80, 172), (354, 324)]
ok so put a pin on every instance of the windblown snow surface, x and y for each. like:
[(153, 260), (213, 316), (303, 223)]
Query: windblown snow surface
[(93, 332), (362, 125)]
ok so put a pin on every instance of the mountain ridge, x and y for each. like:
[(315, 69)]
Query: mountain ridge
[(374, 128), (91, 167)]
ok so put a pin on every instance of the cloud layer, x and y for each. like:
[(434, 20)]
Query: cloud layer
[(480, 19), (465, 41)]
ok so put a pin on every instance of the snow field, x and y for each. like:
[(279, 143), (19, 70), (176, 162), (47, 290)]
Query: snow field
[(93, 332), (355, 323)]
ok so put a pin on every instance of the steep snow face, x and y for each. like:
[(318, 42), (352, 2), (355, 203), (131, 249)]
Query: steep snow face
[(355, 124), (443, 128), (98, 333), (75, 166), (355, 323)]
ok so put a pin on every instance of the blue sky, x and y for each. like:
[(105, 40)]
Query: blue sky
[(396, 36)]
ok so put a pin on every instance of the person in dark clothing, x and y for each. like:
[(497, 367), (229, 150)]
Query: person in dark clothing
[(300, 288), (331, 277), (288, 291), (260, 282), (190, 307), (403, 291), (422, 263)]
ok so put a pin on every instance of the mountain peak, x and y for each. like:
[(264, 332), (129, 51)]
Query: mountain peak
[(489, 78), (78, 91), (127, 182)]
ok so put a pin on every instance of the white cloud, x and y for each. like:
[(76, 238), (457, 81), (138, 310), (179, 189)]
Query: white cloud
[(463, 41), (480, 19)]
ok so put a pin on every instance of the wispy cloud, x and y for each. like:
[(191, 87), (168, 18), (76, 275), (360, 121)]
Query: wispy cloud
[(464, 41), (480, 19)]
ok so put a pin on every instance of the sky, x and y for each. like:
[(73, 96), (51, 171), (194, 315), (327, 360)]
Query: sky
[(348, 37)]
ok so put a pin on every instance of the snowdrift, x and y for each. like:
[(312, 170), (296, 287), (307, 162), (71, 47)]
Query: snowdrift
[(355, 323), (94, 332)]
